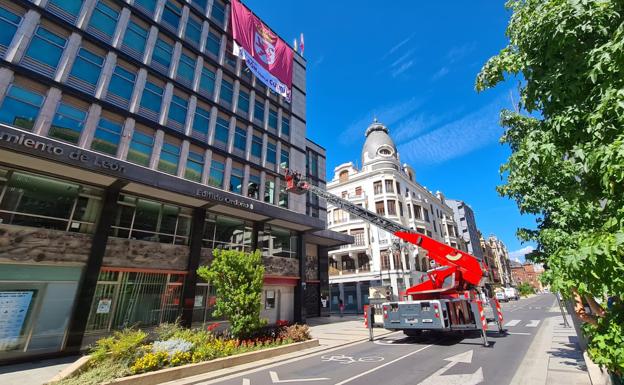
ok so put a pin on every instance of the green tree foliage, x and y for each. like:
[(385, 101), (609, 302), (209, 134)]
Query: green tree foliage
[(526, 289), (567, 161), (238, 278)]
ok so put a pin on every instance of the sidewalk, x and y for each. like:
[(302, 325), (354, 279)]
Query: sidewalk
[(554, 357), (34, 373), (334, 330)]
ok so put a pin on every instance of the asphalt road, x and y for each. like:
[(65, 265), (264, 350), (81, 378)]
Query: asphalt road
[(398, 360)]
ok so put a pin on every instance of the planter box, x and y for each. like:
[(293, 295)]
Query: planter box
[(171, 374)]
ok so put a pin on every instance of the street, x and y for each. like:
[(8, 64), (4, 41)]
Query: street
[(396, 359)]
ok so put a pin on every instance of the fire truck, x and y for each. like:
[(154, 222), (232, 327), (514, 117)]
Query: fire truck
[(454, 295)]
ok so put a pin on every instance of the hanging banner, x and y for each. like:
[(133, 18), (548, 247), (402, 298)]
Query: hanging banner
[(268, 57)]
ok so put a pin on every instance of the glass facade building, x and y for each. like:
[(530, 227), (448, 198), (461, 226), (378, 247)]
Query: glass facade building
[(132, 144)]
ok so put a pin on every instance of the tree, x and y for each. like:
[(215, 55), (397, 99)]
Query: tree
[(567, 161), (238, 278)]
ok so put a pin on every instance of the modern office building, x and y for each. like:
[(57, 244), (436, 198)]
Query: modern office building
[(467, 225), (133, 143), (389, 188)]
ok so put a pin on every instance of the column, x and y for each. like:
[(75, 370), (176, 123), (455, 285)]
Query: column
[(183, 21), (280, 114), (68, 58), (190, 281), (139, 85), (126, 138), (122, 25), (300, 309), (206, 171), (22, 37), (323, 269), (209, 8), (227, 174), (86, 290), (231, 133), (218, 78), (197, 75), (262, 185), (204, 36), (245, 180), (164, 107), (6, 78), (160, 6), (85, 13), (249, 142), (278, 155), (222, 49), (107, 72), (42, 124), (188, 125), (265, 123), (90, 126), (175, 60), (265, 141), (252, 103), (158, 143), (235, 97), (184, 150), (214, 112), (149, 45)]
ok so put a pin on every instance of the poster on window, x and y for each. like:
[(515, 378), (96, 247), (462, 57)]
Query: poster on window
[(14, 307)]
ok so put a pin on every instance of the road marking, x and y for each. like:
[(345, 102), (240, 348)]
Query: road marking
[(519, 334), (532, 324), (246, 381), (438, 378), (341, 358), (382, 366), (513, 322), (275, 379)]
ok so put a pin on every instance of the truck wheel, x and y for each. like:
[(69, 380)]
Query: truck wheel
[(412, 332)]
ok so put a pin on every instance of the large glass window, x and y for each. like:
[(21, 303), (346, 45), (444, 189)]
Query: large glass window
[(271, 153), (283, 195), (147, 5), (201, 123), (104, 19), (46, 47), (21, 107), (141, 146), (236, 179), (213, 44), (163, 52), (217, 170), (68, 123), (227, 92), (313, 163), (272, 120), (218, 12), (122, 84), (253, 188), (152, 97), (285, 158), (193, 31), (135, 38), (269, 190), (148, 220), (207, 82), (240, 139), (71, 7), (221, 232), (259, 111), (171, 15), (9, 21), (222, 131), (256, 146), (285, 126), (201, 4), (278, 242), (177, 111), (194, 166), (243, 102), (186, 69), (107, 136), (38, 201), (87, 66), (169, 158)]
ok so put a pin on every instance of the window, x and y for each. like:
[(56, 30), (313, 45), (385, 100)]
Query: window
[(201, 123), (398, 187), (259, 112), (426, 215), (358, 237), (278, 242), (418, 212), (9, 21), (38, 201), (163, 52), (186, 69), (272, 119), (227, 92), (141, 146), (363, 262), (379, 208), (283, 195), (385, 260), (103, 21), (391, 207), (240, 139), (67, 9), (222, 131), (21, 107), (177, 111), (171, 15), (409, 211), (213, 44), (107, 136), (201, 4), (46, 47), (256, 146), (194, 165), (343, 176), (218, 12), (236, 179), (193, 31), (147, 5), (271, 153), (269, 190), (400, 209), (221, 232), (68, 123), (207, 82), (121, 86), (358, 191), (312, 163), (243, 102), (169, 158), (87, 68), (148, 220), (152, 99), (389, 186), (285, 158), (285, 126), (253, 188), (377, 187), (217, 170), (135, 40), (229, 59)]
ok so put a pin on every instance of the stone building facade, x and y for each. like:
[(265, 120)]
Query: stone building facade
[(528, 273), (467, 226), (497, 261)]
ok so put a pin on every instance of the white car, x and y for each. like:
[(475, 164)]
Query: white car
[(512, 293), (501, 296)]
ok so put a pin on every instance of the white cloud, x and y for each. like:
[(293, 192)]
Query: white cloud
[(440, 73), (458, 52), (397, 46), (520, 253), (404, 67)]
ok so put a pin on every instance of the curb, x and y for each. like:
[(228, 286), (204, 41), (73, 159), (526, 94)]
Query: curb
[(534, 366), (75, 367), (597, 375)]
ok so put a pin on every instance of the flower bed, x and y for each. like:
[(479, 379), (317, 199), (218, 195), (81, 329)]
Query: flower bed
[(129, 352)]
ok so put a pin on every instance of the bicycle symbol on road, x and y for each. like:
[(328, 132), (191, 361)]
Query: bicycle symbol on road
[(346, 360)]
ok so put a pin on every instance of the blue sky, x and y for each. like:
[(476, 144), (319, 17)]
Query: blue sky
[(413, 65)]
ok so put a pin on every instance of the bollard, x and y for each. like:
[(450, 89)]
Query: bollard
[(371, 320)]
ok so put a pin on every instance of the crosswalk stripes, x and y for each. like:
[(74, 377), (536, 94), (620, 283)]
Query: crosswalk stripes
[(514, 322), (533, 323)]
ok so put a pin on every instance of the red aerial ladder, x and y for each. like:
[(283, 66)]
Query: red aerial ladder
[(448, 300)]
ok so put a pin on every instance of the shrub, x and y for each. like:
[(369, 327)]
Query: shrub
[(103, 372), (296, 333), (172, 346), (167, 330), (121, 347), (149, 362), (526, 289)]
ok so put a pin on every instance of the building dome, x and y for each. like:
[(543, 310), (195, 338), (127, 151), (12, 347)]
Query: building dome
[(378, 144)]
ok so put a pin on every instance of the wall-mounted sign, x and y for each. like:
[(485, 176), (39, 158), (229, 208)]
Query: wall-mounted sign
[(14, 307), (104, 306)]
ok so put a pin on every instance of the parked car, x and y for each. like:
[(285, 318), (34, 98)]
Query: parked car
[(512, 293), (501, 296)]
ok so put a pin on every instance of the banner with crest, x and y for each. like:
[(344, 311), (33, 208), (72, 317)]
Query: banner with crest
[(268, 57)]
